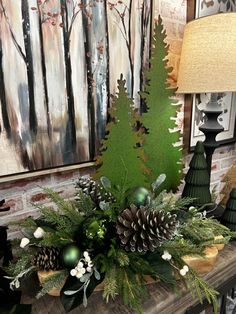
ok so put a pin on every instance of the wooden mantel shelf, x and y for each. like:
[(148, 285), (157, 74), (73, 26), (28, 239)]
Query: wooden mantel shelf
[(161, 300)]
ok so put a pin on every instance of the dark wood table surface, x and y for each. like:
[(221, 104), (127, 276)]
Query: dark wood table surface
[(161, 300)]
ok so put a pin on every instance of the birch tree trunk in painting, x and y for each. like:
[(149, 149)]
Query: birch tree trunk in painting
[(5, 118), (130, 51), (90, 92), (146, 37), (70, 130), (29, 65), (96, 55), (44, 71)]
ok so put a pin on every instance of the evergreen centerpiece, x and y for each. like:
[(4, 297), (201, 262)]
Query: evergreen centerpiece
[(87, 242)]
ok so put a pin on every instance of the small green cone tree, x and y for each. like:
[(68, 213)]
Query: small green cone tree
[(162, 155), (197, 180), (121, 160), (229, 217)]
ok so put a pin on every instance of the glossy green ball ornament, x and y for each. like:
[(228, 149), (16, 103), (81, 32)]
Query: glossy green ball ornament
[(138, 196), (70, 255)]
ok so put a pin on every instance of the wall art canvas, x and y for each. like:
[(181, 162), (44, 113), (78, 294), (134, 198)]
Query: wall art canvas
[(226, 100), (59, 62)]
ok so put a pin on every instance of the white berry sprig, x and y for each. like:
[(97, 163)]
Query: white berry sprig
[(84, 265)]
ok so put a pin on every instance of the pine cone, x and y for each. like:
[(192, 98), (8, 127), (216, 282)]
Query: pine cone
[(142, 230), (95, 190), (47, 258)]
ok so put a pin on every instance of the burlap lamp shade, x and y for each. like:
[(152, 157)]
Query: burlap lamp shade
[(208, 57)]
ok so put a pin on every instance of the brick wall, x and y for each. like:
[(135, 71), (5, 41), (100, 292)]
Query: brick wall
[(20, 194)]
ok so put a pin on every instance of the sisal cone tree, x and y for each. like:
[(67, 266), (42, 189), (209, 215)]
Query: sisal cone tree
[(229, 217), (162, 155), (197, 180)]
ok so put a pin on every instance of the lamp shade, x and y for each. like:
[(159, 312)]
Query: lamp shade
[(208, 57)]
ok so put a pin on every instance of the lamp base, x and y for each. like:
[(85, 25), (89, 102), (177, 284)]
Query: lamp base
[(211, 128)]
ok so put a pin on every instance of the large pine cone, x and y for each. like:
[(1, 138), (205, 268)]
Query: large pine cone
[(142, 230), (94, 189), (47, 258)]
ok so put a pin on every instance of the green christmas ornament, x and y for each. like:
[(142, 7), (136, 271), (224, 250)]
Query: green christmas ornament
[(70, 255), (138, 196), (96, 229)]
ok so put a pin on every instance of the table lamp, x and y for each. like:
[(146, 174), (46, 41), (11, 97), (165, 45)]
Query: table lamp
[(208, 65)]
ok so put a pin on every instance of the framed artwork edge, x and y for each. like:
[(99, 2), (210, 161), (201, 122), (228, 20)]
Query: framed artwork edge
[(38, 173)]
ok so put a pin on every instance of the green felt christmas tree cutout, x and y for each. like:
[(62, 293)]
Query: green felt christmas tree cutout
[(229, 216), (162, 156), (121, 160), (197, 180)]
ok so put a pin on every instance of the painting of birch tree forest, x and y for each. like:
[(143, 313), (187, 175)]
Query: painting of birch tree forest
[(59, 64)]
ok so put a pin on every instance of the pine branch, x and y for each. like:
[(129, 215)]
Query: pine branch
[(200, 288), (66, 207), (200, 230), (54, 281), (180, 247), (131, 288), (56, 239), (56, 219)]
